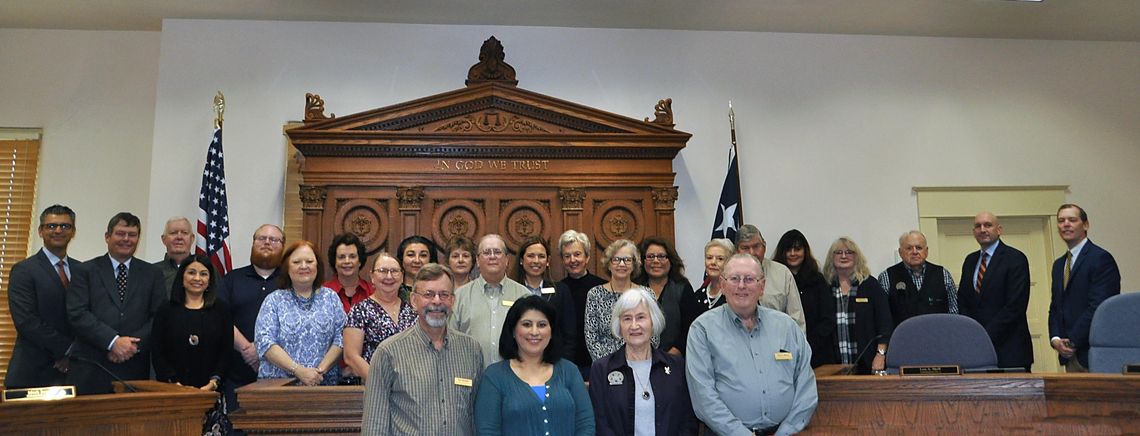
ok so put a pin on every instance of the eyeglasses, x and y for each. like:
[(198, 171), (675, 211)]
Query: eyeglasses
[(386, 271), (737, 280), (618, 260), (656, 257), (492, 252), (431, 295), (268, 239), (843, 253), (62, 226)]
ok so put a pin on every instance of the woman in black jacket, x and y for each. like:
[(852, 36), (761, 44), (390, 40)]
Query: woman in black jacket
[(794, 252), (860, 318)]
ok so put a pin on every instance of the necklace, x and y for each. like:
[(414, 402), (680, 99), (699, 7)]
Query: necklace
[(644, 389)]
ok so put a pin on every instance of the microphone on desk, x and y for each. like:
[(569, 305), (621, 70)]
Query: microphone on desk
[(872, 343), (109, 372)]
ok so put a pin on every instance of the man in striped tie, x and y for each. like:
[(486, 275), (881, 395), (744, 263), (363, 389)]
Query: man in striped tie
[(994, 291)]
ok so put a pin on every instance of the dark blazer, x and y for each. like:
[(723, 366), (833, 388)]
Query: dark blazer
[(813, 291), (872, 318), (614, 403), (1001, 305), (1092, 279), (36, 301), (97, 316)]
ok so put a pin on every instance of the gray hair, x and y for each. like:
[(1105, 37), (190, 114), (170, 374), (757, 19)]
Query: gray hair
[(902, 238), (484, 239), (747, 232), (629, 300), (571, 236), (723, 243), (619, 244), (744, 256)]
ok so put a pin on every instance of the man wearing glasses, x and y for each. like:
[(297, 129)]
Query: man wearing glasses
[(422, 380), (243, 290), (36, 295), (749, 367), (781, 292), (482, 305)]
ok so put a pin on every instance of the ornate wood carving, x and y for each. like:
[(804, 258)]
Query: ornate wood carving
[(488, 158), (571, 198), (410, 197), (315, 108), (313, 197), (663, 113), (664, 198), (491, 67)]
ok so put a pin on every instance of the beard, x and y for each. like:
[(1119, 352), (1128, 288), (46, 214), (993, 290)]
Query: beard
[(265, 260), (435, 308)]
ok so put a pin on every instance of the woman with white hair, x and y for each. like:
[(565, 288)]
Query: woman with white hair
[(639, 389), (708, 297)]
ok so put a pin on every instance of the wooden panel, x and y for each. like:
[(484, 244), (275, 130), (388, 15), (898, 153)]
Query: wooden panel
[(158, 408), (976, 404), (277, 406)]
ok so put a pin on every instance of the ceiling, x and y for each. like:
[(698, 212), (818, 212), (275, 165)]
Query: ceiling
[(1096, 20)]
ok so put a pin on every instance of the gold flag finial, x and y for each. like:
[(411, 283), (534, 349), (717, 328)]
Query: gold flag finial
[(219, 109), (732, 122)]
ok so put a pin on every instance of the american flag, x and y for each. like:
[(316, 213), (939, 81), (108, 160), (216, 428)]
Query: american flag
[(213, 209)]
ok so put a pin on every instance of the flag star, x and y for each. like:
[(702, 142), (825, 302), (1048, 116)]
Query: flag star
[(729, 221)]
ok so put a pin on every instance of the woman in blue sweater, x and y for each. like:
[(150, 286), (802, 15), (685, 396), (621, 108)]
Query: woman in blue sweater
[(532, 391)]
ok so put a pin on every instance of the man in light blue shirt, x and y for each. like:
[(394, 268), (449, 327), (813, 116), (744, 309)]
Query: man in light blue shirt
[(748, 366)]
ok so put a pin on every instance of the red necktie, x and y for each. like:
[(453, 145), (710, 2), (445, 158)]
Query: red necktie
[(62, 273), (981, 273)]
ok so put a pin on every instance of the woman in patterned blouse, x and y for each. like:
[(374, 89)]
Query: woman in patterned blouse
[(298, 330), (381, 315), (624, 263)]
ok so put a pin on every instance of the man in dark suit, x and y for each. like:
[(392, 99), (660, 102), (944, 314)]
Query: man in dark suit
[(36, 294), (1084, 277), (994, 290), (111, 304)]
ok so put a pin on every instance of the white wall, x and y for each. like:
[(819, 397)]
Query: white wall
[(834, 130), (92, 93)]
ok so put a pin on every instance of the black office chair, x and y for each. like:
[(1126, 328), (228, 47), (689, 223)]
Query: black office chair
[(941, 339)]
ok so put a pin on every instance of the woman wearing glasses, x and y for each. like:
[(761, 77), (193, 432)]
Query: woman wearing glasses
[(533, 390), (382, 315), (859, 316), (664, 274), (624, 262)]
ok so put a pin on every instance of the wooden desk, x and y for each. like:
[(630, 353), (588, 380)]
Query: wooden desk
[(278, 406), (157, 409), (1048, 404)]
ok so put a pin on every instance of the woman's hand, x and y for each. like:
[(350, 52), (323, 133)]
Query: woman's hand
[(880, 363), (308, 376)]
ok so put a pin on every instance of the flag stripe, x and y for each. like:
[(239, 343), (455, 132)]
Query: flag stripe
[(213, 208)]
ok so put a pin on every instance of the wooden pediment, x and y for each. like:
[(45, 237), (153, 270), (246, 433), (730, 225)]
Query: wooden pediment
[(488, 119)]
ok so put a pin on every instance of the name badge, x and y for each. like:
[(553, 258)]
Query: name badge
[(547, 291), (508, 303), (862, 300), (783, 355), (460, 381)]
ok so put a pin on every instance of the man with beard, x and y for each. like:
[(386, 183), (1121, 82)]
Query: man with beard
[(243, 290), (111, 304), (179, 241), (422, 380), (481, 305)]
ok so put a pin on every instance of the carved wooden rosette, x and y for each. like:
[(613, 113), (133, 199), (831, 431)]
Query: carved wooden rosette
[(488, 158)]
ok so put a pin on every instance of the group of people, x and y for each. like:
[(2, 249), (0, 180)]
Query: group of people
[(489, 354)]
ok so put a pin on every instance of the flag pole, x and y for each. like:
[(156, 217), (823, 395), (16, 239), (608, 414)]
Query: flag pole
[(220, 110), (732, 123)]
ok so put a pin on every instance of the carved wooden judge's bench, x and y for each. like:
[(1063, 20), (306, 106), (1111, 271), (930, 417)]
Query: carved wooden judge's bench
[(487, 158)]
